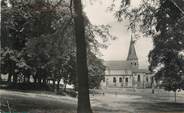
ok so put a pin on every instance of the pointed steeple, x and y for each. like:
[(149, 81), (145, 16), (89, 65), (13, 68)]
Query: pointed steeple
[(132, 53)]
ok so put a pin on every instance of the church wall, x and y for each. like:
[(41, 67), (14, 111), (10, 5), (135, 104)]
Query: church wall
[(138, 77), (121, 81), (137, 80), (110, 83), (118, 72), (142, 80), (129, 81)]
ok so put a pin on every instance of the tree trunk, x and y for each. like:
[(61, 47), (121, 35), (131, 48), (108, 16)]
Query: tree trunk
[(28, 78), (24, 77), (9, 78), (152, 86), (39, 81), (82, 71), (53, 84), (0, 78), (64, 87), (58, 86), (15, 78), (44, 81), (153, 90), (35, 80), (175, 96)]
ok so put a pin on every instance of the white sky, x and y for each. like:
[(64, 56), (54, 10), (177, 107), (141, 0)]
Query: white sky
[(118, 50)]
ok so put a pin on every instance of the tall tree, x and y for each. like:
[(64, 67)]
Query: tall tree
[(96, 71), (168, 45), (82, 70), (44, 32)]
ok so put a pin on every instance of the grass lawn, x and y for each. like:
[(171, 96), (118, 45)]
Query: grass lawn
[(119, 102)]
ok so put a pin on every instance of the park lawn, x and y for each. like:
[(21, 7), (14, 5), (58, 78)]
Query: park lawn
[(108, 103)]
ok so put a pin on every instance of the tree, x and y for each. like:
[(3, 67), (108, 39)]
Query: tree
[(169, 44), (44, 31), (20, 23), (163, 21), (96, 71), (82, 71)]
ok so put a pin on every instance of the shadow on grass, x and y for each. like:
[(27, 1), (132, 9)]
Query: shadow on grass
[(158, 107), (22, 104)]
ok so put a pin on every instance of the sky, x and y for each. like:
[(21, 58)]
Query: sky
[(118, 49)]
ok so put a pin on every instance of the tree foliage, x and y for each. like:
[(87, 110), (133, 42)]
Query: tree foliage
[(163, 21), (38, 41)]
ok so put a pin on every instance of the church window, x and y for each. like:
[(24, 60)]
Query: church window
[(135, 64), (126, 80), (138, 78), (120, 79), (114, 79)]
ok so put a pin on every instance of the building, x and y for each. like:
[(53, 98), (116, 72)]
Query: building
[(126, 73)]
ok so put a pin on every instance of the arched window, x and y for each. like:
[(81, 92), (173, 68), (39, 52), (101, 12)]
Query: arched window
[(138, 78), (126, 80), (114, 79), (135, 64), (120, 79)]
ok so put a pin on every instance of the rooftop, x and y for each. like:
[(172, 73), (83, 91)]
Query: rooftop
[(122, 65), (117, 65)]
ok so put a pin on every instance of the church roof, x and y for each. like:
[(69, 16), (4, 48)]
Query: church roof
[(132, 53), (117, 65), (141, 71), (123, 65)]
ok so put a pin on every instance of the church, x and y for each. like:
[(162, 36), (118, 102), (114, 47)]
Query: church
[(126, 73)]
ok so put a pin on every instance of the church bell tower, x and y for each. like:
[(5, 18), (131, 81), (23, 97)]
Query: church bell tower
[(132, 56)]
